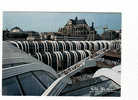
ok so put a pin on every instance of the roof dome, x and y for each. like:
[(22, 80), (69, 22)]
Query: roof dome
[(16, 29)]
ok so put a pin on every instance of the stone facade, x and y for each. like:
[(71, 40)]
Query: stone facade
[(111, 35), (78, 28)]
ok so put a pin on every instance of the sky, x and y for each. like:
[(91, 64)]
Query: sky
[(52, 21)]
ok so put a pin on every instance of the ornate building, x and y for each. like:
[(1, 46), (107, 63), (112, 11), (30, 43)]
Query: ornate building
[(78, 28)]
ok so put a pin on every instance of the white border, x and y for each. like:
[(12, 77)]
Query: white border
[(129, 35)]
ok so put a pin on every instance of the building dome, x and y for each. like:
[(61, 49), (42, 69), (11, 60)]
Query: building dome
[(16, 29)]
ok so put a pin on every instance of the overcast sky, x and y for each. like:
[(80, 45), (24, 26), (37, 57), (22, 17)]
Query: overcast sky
[(51, 22)]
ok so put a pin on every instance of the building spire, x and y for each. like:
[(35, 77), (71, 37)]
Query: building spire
[(92, 26), (76, 18)]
